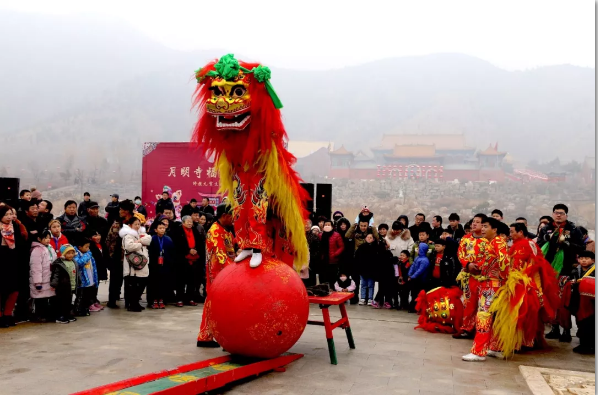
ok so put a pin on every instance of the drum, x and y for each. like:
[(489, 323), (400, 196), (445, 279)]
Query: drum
[(587, 287)]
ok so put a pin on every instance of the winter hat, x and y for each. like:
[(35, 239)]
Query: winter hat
[(315, 227), (338, 214), (66, 248), (364, 209)]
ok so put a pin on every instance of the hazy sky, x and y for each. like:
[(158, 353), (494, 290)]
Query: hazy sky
[(513, 34)]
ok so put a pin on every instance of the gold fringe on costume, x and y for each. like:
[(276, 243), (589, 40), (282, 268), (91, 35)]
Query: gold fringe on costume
[(511, 313)]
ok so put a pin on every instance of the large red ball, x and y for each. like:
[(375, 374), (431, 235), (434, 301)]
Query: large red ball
[(258, 312)]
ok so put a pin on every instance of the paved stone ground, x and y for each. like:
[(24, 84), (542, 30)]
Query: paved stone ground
[(391, 357)]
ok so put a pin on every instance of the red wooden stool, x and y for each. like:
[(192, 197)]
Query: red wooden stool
[(334, 299)]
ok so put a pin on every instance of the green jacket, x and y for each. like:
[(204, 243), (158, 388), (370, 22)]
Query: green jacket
[(415, 249)]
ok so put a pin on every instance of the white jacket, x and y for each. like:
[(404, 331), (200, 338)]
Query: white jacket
[(133, 242), (402, 241)]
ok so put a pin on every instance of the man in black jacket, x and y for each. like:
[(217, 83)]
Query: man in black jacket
[(113, 208), (564, 241), (415, 228), (205, 206), (165, 203), (189, 209), (95, 223), (455, 228), (436, 228), (84, 205)]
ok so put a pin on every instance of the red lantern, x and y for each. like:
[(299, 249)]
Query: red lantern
[(259, 312)]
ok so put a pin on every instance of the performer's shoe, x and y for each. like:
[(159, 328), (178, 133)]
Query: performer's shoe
[(473, 358), (243, 254), (208, 344), (496, 354), (463, 335), (256, 259), (565, 336), (554, 333)]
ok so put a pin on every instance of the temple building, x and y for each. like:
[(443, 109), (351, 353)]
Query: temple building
[(442, 157)]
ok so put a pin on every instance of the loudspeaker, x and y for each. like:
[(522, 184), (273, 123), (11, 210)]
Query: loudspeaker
[(309, 205), (9, 191), (324, 200)]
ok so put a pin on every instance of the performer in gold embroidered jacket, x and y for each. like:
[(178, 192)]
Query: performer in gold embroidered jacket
[(471, 251), (220, 252), (492, 274)]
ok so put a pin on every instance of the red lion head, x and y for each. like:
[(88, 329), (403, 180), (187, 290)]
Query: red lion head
[(239, 112)]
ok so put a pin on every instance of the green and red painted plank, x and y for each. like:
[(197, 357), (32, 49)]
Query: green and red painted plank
[(194, 378)]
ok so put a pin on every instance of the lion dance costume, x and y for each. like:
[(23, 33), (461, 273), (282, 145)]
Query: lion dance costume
[(240, 124), (493, 273), (440, 310), (528, 299)]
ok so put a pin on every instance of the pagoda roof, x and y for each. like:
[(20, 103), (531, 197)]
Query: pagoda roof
[(301, 149), (441, 141), (413, 151), (341, 151), (492, 151)]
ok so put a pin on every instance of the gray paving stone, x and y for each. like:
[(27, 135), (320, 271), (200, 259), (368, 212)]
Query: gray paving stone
[(391, 357)]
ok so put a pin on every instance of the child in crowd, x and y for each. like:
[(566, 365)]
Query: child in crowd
[(418, 274), (403, 270), (384, 271), (424, 238), (88, 278), (40, 261), (583, 306), (57, 239), (344, 283), (365, 260), (97, 252), (64, 282), (161, 267)]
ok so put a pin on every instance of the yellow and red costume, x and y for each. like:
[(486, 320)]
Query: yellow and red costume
[(240, 124), (494, 272), (471, 250), (528, 299), (220, 252)]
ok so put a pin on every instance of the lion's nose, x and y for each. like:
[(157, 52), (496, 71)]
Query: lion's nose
[(222, 104)]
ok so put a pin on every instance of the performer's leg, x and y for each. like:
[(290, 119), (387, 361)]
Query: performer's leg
[(484, 338), (470, 305), (205, 338)]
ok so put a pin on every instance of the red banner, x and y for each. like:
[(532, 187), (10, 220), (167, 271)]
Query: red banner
[(183, 169)]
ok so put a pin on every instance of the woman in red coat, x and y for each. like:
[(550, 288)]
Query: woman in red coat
[(331, 249)]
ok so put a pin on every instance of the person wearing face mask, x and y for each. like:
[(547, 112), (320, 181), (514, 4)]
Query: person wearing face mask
[(331, 248), (139, 207)]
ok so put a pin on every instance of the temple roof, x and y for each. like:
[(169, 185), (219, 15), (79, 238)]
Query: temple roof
[(492, 151), (413, 151), (441, 141), (301, 149), (341, 151)]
